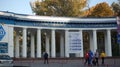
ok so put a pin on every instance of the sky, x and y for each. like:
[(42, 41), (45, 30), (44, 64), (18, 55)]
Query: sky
[(23, 6)]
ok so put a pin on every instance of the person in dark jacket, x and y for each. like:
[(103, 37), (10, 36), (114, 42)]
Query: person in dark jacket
[(45, 58), (94, 61)]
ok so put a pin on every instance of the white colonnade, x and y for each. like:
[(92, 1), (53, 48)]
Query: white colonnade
[(50, 47)]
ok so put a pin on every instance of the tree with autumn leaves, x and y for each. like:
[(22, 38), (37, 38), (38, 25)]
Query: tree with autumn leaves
[(70, 8), (65, 8), (101, 10), (116, 8)]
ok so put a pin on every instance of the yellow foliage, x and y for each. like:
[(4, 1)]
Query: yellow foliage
[(71, 8)]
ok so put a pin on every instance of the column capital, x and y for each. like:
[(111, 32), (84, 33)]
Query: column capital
[(67, 29), (80, 29), (24, 27), (94, 29), (53, 29), (108, 29), (39, 28)]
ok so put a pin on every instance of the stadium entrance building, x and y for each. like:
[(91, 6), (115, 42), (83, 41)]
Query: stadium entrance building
[(23, 36)]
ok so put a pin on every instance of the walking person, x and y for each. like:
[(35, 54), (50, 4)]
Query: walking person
[(86, 57), (102, 55), (90, 53), (96, 57), (45, 58)]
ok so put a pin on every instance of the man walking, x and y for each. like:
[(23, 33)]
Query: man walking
[(45, 58)]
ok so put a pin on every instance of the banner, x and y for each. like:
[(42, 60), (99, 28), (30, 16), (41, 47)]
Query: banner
[(74, 44), (118, 29), (118, 20), (118, 24)]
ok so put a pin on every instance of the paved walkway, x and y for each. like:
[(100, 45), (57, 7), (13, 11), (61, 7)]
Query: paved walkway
[(74, 62)]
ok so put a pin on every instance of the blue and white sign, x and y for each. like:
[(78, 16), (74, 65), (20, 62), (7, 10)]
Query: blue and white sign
[(2, 32), (74, 42), (3, 47)]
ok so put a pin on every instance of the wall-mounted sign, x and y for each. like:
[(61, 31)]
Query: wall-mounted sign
[(3, 47), (74, 44), (2, 32)]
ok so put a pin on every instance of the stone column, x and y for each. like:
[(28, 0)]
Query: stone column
[(66, 44), (38, 43), (24, 46), (53, 46), (94, 40), (91, 41), (32, 46), (81, 53), (62, 48), (47, 48), (108, 49), (17, 50)]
